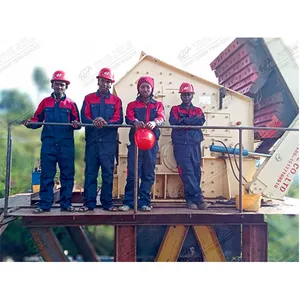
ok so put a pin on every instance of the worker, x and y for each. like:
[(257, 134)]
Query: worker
[(100, 108), (186, 145), (144, 112), (57, 143)]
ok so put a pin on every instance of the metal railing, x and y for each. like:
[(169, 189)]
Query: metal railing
[(136, 180)]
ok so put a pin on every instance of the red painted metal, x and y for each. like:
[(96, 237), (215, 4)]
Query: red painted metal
[(245, 82), (233, 47), (48, 244), (235, 69), (255, 243), (246, 72), (245, 89), (268, 111), (159, 216), (232, 60), (83, 244), (125, 243), (275, 122)]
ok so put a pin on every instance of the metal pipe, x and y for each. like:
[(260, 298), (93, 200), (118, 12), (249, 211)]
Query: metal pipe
[(8, 169), (70, 124), (178, 126), (241, 170), (258, 154), (230, 150), (136, 177)]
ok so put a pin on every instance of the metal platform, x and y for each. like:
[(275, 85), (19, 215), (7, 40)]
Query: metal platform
[(158, 216)]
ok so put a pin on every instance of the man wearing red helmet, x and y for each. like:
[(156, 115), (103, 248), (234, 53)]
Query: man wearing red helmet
[(144, 112), (186, 143), (57, 143), (99, 109)]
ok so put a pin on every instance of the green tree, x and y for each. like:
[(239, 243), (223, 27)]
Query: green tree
[(283, 238), (40, 79), (15, 106)]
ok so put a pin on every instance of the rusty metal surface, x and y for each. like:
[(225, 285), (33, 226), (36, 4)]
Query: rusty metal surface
[(125, 243), (255, 243), (83, 244), (159, 216), (2, 226), (48, 244)]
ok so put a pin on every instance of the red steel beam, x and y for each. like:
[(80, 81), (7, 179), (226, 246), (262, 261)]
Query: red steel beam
[(235, 69), (189, 218), (236, 44), (83, 244), (125, 243), (245, 89), (232, 60), (237, 78), (255, 243), (48, 244), (251, 79)]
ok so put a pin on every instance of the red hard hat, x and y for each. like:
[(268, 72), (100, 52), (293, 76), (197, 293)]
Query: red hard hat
[(144, 138), (186, 88), (59, 76), (107, 74)]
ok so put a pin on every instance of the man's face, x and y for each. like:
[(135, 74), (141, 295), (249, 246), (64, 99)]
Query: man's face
[(59, 87), (186, 98), (145, 90), (104, 85)]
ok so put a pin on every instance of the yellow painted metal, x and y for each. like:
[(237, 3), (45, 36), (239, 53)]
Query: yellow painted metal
[(171, 244), (236, 108), (209, 244), (35, 188)]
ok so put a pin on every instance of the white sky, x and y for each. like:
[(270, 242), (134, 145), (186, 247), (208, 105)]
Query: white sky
[(74, 38)]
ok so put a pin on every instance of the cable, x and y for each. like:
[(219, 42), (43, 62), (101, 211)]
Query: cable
[(236, 161), (230, 161)]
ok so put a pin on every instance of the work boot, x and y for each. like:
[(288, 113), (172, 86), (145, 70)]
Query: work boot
[(202, 205)]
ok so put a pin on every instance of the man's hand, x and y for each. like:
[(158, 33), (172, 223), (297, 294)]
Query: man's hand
[(76, 124), (139, 124), (99, 122), (25, 123), (150, 125)]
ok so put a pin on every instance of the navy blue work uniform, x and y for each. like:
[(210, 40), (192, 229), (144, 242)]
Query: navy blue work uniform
[(139, 110), (57, 147), (187, 152), (101, 145)]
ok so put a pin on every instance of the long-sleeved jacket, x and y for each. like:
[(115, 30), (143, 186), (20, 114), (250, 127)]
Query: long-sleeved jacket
[(139, 111), (50, 110), (109, 108), (180, 115)]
